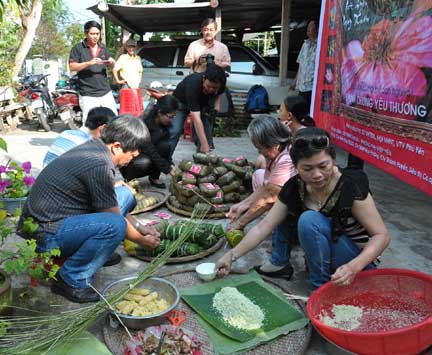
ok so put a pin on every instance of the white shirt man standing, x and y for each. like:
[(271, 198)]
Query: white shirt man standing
[(198, 50)]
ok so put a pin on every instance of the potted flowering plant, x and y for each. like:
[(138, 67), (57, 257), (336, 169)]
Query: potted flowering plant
[(15, 184), (18, 257)]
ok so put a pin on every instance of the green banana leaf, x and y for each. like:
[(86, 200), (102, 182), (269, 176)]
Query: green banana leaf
[(85, 343), (281, 316)]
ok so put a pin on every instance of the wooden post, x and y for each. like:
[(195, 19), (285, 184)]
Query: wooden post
[(284, 45), (219, 23)]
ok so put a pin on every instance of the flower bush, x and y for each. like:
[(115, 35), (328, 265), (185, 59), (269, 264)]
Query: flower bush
[(21, 257), (15, 179)]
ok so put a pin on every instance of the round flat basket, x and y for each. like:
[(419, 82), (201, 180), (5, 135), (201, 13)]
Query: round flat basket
[(184, 259), (294, 343), (162, 196), (216, 215)]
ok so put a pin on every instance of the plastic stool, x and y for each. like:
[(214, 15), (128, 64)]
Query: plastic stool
[(131, 102), (187, 128)]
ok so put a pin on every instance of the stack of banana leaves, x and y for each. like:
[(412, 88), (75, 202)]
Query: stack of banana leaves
[(202, 237), (211, 180)]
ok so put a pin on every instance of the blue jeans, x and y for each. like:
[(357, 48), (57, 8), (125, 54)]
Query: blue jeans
[(281, 244), (88, 240), (125, 199), (176, 130), (323, 254)]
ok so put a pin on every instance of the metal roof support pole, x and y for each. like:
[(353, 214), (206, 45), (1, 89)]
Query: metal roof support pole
[(103, 32), (218, 19), (284, 45)]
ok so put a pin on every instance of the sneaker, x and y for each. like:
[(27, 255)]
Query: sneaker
[(268, 269), (77, 295)]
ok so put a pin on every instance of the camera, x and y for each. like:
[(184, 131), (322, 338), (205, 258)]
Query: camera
[(209, 58)]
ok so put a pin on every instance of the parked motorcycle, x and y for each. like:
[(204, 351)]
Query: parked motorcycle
[(62, 103)]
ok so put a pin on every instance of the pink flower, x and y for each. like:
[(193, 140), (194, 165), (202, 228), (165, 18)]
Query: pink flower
[(26, 167), (3, 185), (387, 64), (29, 180), (2, 169)]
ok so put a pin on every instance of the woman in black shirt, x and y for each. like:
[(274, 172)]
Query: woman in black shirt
[(156, 156), (339, 227)]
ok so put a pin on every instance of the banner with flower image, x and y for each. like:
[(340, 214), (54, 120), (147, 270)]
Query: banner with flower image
[(373, 85)]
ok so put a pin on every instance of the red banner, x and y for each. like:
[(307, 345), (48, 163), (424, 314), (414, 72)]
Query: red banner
[(374, 83)]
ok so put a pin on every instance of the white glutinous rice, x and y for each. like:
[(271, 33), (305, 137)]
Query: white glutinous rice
[(237, 310), (344, 317)]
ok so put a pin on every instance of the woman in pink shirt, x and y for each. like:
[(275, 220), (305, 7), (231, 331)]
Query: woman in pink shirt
[(272, 139)]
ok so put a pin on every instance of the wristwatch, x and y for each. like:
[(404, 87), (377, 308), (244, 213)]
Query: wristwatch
[(137, 225), (232, 256)]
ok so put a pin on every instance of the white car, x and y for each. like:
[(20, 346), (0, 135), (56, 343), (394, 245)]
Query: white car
[(164, 62)]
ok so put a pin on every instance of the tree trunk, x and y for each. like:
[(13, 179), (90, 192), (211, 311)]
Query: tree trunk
[(30, 24)]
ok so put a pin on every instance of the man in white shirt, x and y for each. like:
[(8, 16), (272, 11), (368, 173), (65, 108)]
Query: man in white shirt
[(198, 50)]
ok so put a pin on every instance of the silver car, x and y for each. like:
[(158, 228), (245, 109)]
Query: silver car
[(164, 62)]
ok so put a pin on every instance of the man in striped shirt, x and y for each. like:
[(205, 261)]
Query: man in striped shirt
[(97, 118), (75, 206)]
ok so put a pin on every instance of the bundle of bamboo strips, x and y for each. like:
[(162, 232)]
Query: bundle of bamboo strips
[(39, 334)]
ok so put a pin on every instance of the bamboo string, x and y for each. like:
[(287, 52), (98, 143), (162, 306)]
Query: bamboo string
[(41, 334)]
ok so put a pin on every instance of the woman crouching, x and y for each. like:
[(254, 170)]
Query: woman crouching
[(338, 225)]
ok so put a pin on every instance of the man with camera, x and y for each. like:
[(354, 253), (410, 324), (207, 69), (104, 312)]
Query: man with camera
[(207, 50)]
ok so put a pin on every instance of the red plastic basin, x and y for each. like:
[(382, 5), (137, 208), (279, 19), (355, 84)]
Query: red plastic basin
[(393, 299)]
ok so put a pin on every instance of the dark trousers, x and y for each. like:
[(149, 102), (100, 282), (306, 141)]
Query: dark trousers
[(142, 165)]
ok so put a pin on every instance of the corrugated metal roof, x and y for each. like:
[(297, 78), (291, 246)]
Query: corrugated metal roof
[(256, 15)]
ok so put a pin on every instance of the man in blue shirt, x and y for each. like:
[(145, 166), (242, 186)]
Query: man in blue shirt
[(97, 118)]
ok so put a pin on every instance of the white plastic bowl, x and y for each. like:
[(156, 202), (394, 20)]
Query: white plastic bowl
[(206, 271)]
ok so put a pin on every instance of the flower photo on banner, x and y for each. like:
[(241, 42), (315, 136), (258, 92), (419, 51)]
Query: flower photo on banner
[(385, 71)]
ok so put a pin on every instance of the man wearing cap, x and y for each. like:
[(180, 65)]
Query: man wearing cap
[(90, 59), (128, 68)]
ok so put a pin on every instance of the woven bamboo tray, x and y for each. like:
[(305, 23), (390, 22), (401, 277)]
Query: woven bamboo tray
[(161, 195), (184, 259), (294, 343), (216, 215)]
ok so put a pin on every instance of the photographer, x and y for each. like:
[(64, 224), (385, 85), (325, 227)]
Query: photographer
[(207, 50)]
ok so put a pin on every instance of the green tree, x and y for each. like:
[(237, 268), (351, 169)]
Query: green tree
[(73, 34), (10, 36), (17, 4), (49, 41)]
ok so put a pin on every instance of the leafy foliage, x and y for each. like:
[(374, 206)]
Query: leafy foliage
[(20, 4), (15, 180), (50, 36), (19, 258), (10, 36), (3, 144)]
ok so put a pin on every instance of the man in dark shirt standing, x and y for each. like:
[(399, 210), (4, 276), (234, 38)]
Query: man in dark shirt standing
[(75, 206), (197, 93), (90, 58)]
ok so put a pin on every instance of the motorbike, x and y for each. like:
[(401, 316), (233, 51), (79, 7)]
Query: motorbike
[(61, 103)]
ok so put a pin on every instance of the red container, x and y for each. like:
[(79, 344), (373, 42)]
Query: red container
[(131, 102), (375, 289)]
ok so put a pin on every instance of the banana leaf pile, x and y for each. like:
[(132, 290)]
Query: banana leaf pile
[(211, 180), (202, 237)]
